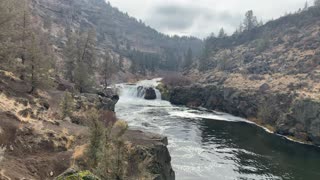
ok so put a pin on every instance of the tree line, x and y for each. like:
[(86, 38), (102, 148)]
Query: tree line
[(246, 30)]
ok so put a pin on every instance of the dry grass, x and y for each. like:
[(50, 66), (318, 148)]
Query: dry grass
[(176, 80), (79, 151), (70, 138), (2, 152), (9, 75), (3, 176), (10, 104)]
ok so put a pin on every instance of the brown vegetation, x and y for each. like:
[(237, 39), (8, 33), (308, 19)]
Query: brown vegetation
[(176, 80)]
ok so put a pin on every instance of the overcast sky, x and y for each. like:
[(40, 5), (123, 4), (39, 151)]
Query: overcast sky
[(201, 17)]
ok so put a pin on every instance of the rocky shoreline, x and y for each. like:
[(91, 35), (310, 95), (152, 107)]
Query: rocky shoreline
[(281, 113)]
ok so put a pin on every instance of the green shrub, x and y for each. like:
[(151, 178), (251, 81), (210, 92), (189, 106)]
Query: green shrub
[(262, 44), (66, 105)]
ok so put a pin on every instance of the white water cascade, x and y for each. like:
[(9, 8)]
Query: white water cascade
[(138, 90)]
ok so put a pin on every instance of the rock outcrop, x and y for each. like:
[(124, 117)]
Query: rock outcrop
[(102, 100), (152, 150)]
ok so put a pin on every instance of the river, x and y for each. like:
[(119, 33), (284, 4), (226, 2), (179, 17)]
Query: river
[(208, 145)]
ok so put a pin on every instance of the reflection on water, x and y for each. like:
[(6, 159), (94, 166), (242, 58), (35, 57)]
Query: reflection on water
[(209, 146)]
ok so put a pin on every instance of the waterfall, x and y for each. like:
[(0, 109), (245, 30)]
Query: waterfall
[(138, 90)]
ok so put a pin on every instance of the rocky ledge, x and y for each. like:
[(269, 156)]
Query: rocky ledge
[(283, 113), (152, 149), (147, 149)]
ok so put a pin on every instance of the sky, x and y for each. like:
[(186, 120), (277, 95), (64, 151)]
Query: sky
[(200, 18)]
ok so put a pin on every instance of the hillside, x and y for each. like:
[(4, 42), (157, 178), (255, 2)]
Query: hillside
[(270, 75), (117, 32), (48, 125), (283, 53)]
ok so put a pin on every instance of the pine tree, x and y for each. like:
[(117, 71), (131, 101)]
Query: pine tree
[(250, 21), (82, 78), (204, 59), (37, 68), (87, 45), (26, 37), (121, 60), (306, 6), (71, 57), (86, 60), (9, 16), (188, 59), (222, 34), (107, 69)]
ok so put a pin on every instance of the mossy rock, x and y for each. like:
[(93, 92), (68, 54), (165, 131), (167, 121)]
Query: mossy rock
[(165, 92), (77, 175)]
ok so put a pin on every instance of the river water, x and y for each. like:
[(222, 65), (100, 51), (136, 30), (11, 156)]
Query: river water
[(216, 146)]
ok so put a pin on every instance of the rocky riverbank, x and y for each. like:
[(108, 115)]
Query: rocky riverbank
[(37, 142), (283, 113)]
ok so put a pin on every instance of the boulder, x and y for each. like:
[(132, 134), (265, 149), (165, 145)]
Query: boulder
[(150, 94), (26, 112), (64, 85), (151, 147), (264, 87)]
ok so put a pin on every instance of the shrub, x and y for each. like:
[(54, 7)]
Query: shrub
[(267, 111), (97, 138), (112, 160), (262, 44), (66, 105)]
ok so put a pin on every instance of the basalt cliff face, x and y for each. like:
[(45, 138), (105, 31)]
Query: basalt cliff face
[(280, 112)]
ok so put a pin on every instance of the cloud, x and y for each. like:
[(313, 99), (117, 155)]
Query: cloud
[(201, 17), (173, 17)]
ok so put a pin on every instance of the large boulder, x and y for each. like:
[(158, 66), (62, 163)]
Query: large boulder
[(150, 94), (150, 150)]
